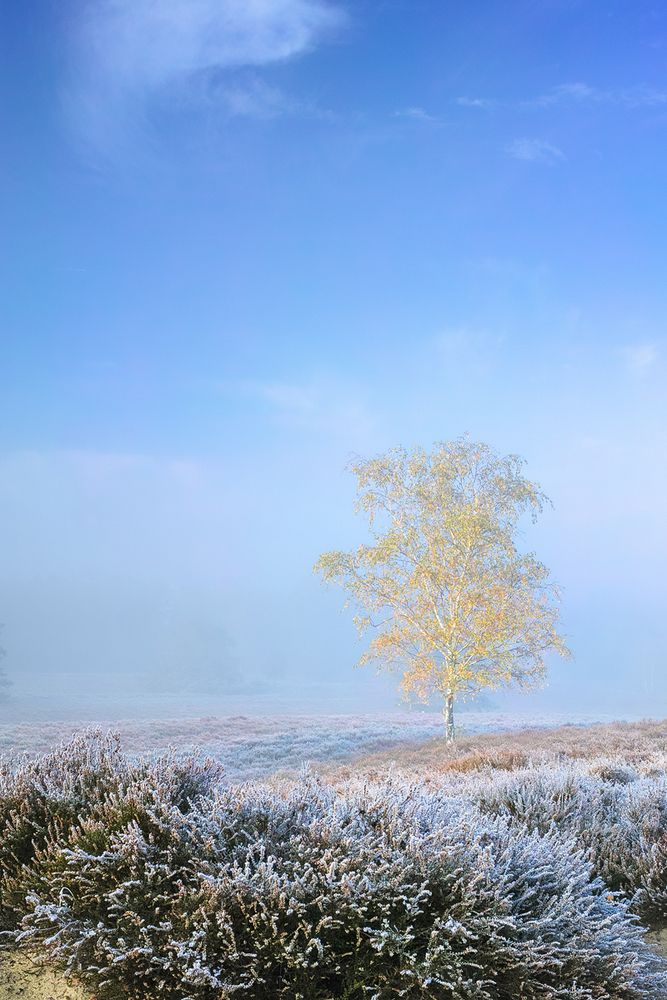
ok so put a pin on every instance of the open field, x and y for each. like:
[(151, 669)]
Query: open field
[(251, 746), (639, 744)]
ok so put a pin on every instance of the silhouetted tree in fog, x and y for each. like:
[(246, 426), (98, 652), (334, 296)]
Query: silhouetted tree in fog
[(5, 682)]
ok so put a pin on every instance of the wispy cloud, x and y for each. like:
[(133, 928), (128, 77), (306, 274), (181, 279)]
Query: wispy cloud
[(319, 405), (483, 103), (567, 93), (645, 97), (248, 95), (289, 399), (417, 114), (465, 351), (584, 93), (576, 93), (640, 358), (132, 54), (534, 151)]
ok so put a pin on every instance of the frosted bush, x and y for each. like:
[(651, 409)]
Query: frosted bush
[(43, 801), (156, 881), (620, 820)]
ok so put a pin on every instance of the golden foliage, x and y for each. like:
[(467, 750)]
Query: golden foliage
[(451, 601)]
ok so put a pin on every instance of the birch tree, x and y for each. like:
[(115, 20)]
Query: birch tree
[(448, 598)]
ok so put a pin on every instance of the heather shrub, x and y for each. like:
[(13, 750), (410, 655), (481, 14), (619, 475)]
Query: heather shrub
[(613, 771), (44, 798), (167, 884), (618, 818), (46, 801), (498, 760)]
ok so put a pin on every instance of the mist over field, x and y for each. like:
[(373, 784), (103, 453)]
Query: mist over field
[(129, 577)]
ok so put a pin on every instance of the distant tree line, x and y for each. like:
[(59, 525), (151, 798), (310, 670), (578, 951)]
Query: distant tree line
[(5, 682)]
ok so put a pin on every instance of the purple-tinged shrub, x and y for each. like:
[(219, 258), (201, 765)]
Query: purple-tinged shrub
[(154, 881)]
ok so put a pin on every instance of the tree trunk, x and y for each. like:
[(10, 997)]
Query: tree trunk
[(448, 713)]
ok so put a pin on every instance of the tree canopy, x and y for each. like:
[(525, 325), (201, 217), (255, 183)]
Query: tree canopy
[(450, 599)]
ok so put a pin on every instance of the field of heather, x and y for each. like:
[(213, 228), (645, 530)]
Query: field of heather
[(255, 746), (521, 862)]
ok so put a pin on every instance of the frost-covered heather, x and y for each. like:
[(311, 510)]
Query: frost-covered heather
[(642, 743), (256, 746), (157, 879)]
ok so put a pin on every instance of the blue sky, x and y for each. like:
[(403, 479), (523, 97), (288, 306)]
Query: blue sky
[(244, 240)]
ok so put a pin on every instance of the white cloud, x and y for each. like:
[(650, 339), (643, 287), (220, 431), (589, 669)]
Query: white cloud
[(285, 397), (584, 93), (131, 53), (640, 358), (149, 42), (320, 405), (576, 93), (581, 93), (477, 353), (643, 97), (417, 114), (252, 97), (476, 102), (534, 151)]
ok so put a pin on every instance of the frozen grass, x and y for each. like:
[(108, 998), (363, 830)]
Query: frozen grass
[(256, 746), (641, 744)]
